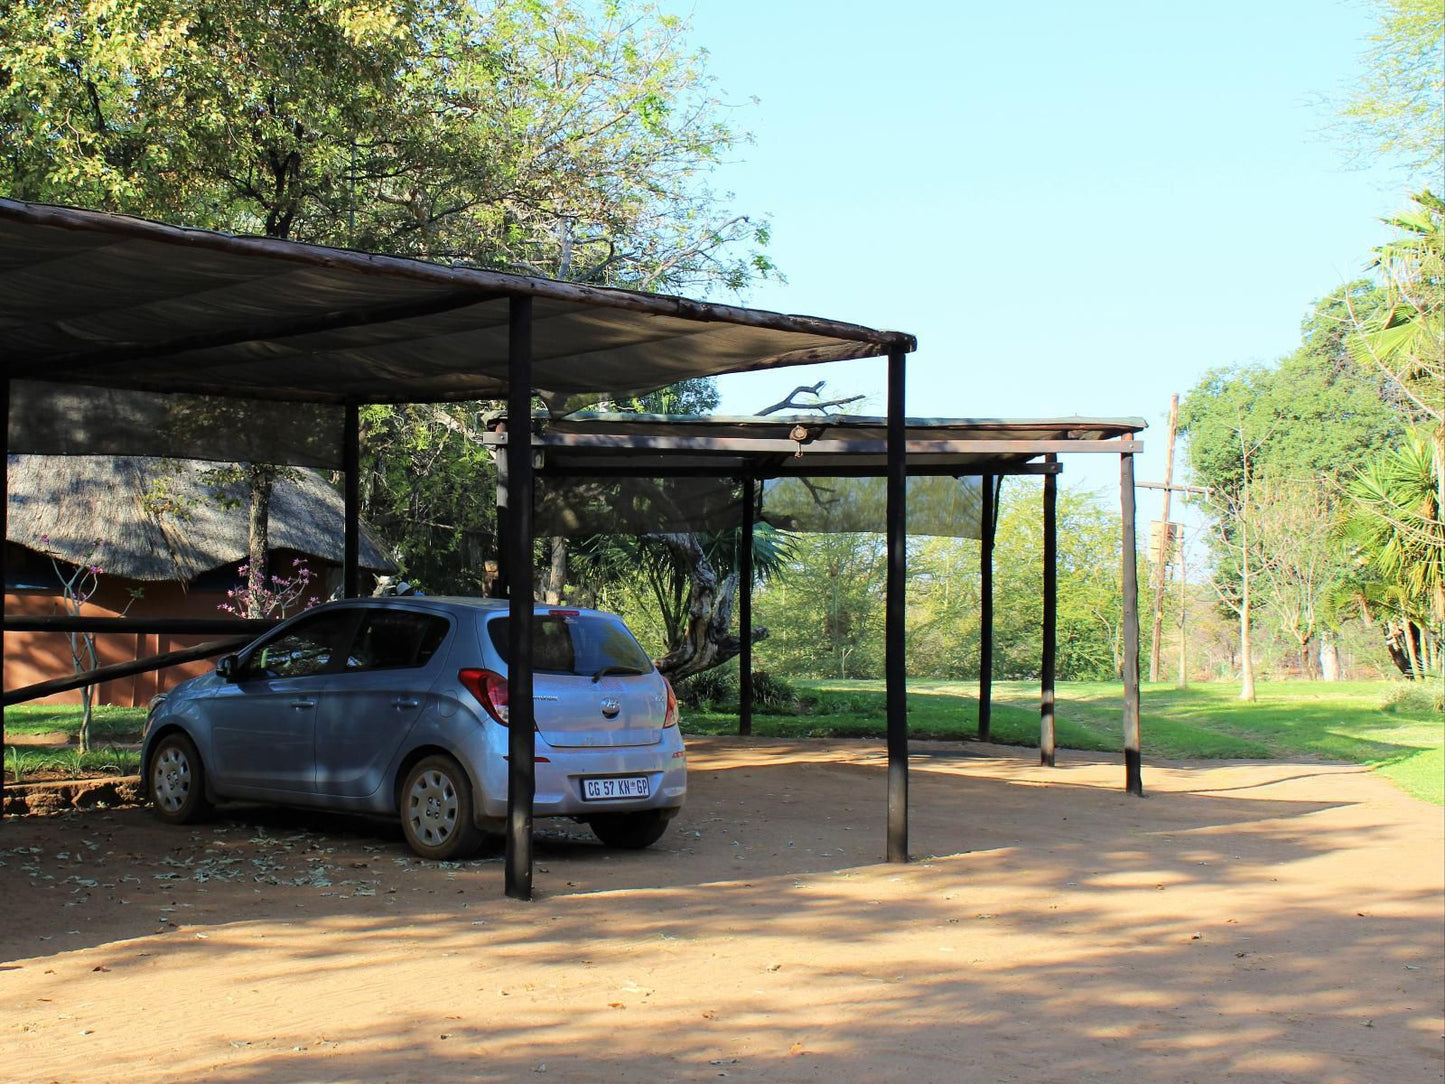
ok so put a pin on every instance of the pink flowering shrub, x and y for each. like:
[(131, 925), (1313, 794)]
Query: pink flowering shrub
[(275, 598)]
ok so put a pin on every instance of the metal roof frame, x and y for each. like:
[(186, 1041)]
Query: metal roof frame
[(117, 303)]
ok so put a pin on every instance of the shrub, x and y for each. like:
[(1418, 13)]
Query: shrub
[(1413, 696), (773, 693), (706, 689)]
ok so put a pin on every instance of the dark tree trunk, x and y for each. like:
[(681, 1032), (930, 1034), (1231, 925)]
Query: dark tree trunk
[(556, 580), (705, 641), (263, 481), (1403, 645)]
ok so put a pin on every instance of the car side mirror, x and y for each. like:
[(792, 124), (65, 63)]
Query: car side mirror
[(226, 667)]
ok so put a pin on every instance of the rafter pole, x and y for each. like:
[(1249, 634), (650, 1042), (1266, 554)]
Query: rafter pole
[(521, 744), (895, 646)]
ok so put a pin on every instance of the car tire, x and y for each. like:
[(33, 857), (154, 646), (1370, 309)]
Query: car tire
[(177, 780), (629, 831), (436, 810)]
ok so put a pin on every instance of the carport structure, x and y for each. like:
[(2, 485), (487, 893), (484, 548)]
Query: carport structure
[(123, 336)]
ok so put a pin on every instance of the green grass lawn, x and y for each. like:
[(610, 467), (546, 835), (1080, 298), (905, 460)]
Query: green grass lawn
[(110, 728), (1355, 722), (107, 724)]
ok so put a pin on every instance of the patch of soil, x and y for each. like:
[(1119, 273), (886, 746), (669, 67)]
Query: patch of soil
[(1251, 922), (67, 791), (58, 739)]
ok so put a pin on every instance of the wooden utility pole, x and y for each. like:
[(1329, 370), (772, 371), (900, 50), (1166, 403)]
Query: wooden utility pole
[(1183, 679), (1161, 557)]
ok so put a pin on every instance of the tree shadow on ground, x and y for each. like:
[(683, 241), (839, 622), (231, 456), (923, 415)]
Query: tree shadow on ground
[(1253, 976)]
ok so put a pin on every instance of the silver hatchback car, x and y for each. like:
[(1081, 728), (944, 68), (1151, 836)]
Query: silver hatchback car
[(399, 706)]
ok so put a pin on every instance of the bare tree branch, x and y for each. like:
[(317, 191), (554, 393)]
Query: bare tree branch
[(820, 406)]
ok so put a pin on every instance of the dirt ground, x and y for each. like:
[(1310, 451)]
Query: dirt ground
[(1254, 922)]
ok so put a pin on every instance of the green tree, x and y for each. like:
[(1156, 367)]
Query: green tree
[(825, 615), (546, 137), (1396, 530), (1266, 442), (534, 136), (1400, 105), (1403, 334)]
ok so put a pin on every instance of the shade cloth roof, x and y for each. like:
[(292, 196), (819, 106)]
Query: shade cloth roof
[(119, 302), (642, 473), (160, 520)]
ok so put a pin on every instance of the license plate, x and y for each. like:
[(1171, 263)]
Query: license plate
[(619, 786)]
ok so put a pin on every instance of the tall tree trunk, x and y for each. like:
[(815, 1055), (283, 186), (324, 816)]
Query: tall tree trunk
[(1395, 644), (1330, 668), (705, 640), (557, 572), (263, 482), (1412, 652), (1246, 645)]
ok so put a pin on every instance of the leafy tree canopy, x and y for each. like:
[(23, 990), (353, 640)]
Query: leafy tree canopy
[(536, 136), (1400, 104), (1318, 415)]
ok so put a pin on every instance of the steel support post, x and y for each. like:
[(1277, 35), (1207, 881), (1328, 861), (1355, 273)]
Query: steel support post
[(351, 466), (4, 536), (1133, 768), (1051, 618), (988, 529), (895, 646), (521, 747), (745, 607)]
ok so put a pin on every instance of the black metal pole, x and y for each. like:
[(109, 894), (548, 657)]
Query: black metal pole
[(895, 662), (987, 532), (521, 768), (745, 608), (4, 541), (351, 465), (1051, 617), (1133, 764)]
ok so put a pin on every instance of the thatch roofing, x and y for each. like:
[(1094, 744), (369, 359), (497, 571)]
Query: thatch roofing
[(64, 506)]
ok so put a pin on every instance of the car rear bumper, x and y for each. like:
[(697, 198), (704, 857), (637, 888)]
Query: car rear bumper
[(560, 774)]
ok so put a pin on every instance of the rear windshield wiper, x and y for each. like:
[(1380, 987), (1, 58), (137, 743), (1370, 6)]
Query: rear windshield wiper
[(614, 668)]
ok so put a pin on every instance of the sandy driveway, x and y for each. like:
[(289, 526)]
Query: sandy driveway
[(1245, 922)]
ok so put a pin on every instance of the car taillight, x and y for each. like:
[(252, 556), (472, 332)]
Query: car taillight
[(670, 719), (490, 689)]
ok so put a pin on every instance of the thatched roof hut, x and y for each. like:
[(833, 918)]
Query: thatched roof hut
[(162, 519)]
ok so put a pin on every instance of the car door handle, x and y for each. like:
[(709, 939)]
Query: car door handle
[(303, 702), (405, 702)]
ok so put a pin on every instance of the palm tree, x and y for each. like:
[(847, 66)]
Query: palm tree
[(1393, 525), (1405, 335)]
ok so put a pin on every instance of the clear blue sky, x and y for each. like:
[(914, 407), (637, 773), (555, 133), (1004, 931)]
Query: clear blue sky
[(1077, 208)]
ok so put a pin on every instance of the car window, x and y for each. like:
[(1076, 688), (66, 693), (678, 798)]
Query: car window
[(305, 648), (396, 639), (575, 644)]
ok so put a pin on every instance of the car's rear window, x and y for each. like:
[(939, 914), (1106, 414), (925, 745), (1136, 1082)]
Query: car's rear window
[(575, 644)]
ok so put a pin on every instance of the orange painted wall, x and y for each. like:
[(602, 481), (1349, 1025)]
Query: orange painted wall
[(32, 657)]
